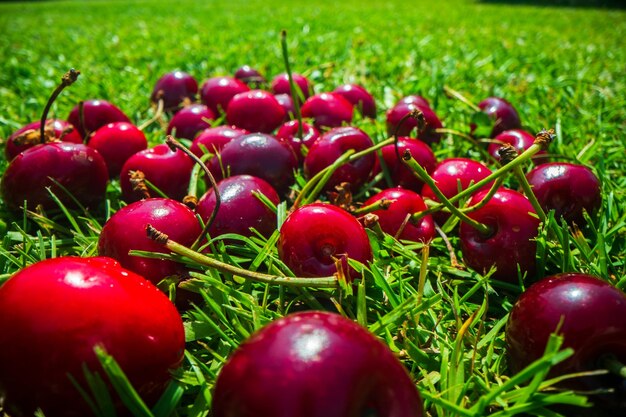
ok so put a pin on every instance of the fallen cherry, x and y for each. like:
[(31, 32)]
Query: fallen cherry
[(56, 129), (174, 88), (217, 92), (255, 111), (213, 139), (251, 76), (360, 98), (280, 85), (328, 110), (95, 114), (289, 131), (502, 113), (190, 120), (117, 142), (398, 122)]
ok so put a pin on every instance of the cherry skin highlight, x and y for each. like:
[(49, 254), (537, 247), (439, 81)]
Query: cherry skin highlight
[(360, 98), (251, 76), (289, 131), (280, 85), (255, 111), (396, 124), (61, 129), (213, 139), (328, 110), (174, 88), (502, 113), (520, 139), (217, 92), (286, 102), (189, 121), (96, 113), (117, 142)]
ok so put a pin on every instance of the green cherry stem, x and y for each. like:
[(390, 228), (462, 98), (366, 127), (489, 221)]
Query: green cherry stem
[(295, 94), (453, 93), (382, 204), (68, 79), (177, 248), (613, 365)]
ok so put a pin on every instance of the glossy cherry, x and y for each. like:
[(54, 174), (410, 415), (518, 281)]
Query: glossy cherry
[(175, 88), (250, 76), (96, 113), (406, 127), (566, 188), (314, 236), (502, 113), (255, 111), (328, 110), (117, 142), (190, 120), (79, 169), (520, 139), (289, 131), (330, 146), (280, 85), (213, 139), (283, 370), (56, 311), (217, 92), (393, 219), (360, 98), (511, 242), (415, 99), (60, 129), (286, 103)]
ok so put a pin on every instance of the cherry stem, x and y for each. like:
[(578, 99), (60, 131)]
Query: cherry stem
[(453, 93), (494, 189), (613, 365), (157, 115), (470, 139), (325, 177), (68, 79), (382, 204), (174, 144), (428, 180), (177, 248), (295, 95)]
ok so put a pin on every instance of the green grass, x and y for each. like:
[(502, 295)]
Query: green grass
[(561, 68)]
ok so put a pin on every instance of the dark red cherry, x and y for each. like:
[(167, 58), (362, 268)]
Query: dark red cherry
[(175, 88), (240, 210), (280, 85), (286, 103), (255, 111), (250, 76), (452, 175), (289, 131), (566, 188), (511, 243), (393, 219), (328, 110), (60, 129), (79, 169), (117, 142), (96, 113), (217, 92), (330, 146), (284, 368), (213, 139), (406, 127), (126, 230), (55, 312), (415, 99), (520, 139), (502, 113), (400, 174), (360, 98), (190, 120), (259, 155), (314, 236), (167, 170)]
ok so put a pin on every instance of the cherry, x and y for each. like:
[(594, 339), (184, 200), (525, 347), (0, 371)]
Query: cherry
[(190, 120), (255, 111), (453, 175), (289, 131), (213, 139), (286, 103), (503, 114), (174, 88), (280, 85), (117, 142), (217, 92), (316, 235), (510, 244), (394, 219), (167, 170), (327, 110), (568, 189), (330, 146), (520, 139), (250, 76), (398, 122), (284, 368), (79, 169), (259, 155), (415, 99), (400, 174), (360, 98), (56, 311), (240, 209), (28, 136), (96, 113)]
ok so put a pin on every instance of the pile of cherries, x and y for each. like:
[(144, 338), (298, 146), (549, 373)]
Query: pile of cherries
[(251, 160)]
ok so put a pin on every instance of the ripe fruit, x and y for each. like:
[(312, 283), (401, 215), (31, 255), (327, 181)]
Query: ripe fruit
[(255, 111), (316, 235), (56, 311), (189, 121), (126, 230), (280, 85), (213, 139), (502, 113), (250, 76), (313, 364), (174, 88), (360, 98), (217, 92), (520, 139), (117, 142), (396, 124), (96, 113), (327, 110), (289, 131), (286, 102), (58, 129)]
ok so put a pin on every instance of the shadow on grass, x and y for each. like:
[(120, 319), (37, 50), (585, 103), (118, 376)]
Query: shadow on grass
[(607, 4)]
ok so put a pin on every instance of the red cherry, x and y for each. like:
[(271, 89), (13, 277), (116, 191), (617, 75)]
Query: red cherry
[(503, 114), (174, 88), (189, 121), (283, 370), (249, 75), (217, 92), (117, 142), (315, 235), (96, 113), (56, 311), (126, 230), (510, 244), (520, 139), (403, 203), (415, 99), (327, 110), (255, 111), (62, 130), (280, 85), (286, 102), (360, 98), (402, 109), (289, 131), (213, 139)]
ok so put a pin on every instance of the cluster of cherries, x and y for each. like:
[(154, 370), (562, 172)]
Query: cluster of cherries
[(250, 162)]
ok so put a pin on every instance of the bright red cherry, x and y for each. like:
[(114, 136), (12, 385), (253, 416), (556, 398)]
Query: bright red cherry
[(56, 311), (393, 219), (189, 121), (415, 99), (406, 126), (217, 92), (520, 139), (175, 88), (126, 230), (117, 142), (255, 111), (328, 110), (330, 146), (360, 98), (280, 85), (511, 242), (59, 129), (502, 113), (283, 370), (314, 236), (286, 103), (568, 189), (96, 113), (289, 131), (213, 139), (250, 76)]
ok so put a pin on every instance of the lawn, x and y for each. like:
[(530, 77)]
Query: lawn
[(561, 67)]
